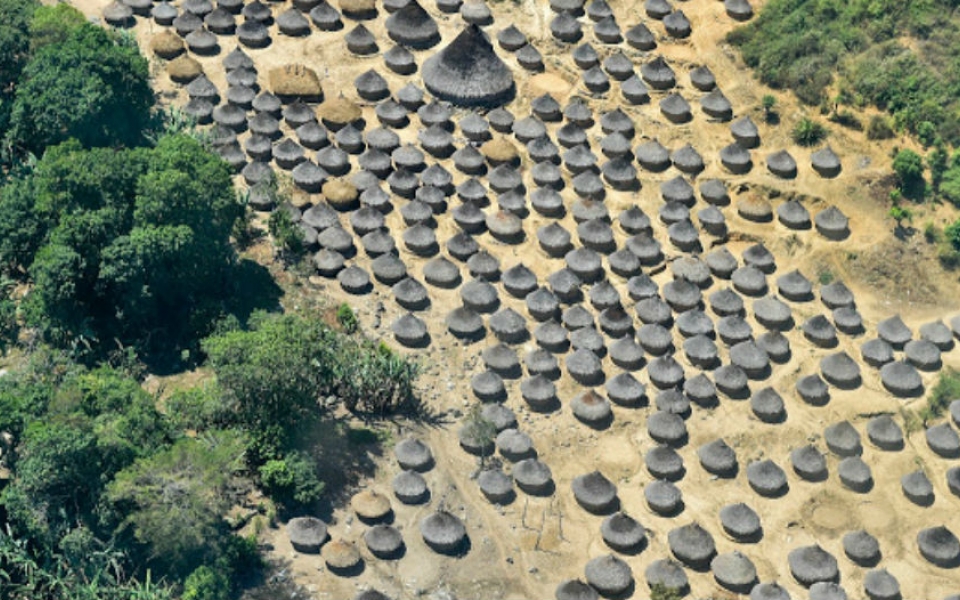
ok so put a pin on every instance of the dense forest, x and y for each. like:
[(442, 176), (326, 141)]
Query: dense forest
[(119, 254)]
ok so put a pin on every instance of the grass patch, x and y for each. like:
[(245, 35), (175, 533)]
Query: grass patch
[(943, 393)]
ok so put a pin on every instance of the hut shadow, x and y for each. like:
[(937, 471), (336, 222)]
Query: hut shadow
[(776, 419), (860, 488), (635, 550), (778, 493), (602, 511), (743, 393), (545, 407), (835, 236), (753, 538), (598, 424), (418, 344), (627, 593), (868, 563), (353, 571), (847, 385), (505, 500), (552, 374), (516, 238), (543, 491), (674, 512), (386, 519), (513, 372), (782, 359), (395, 555), (782, 326), (458, 551), (672, 476), (591, 380)]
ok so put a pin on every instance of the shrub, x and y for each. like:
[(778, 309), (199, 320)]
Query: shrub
[(946, 390), (347, 318), (205, 583), (291, 481), (375, 379), (287, 236), (808, 132), (658, 591), (879, 128), (908, 165)]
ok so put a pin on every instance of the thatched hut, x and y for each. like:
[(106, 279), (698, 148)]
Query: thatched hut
[(595, 493), (769, 591), (717, 458), (943, 440), (533, 477), (307, 534), (496, 486), (515, 445), (734, 571), (767, 478), (884, 433), (901, 379), (745, 132), (855, 474), (832, 224), (676, 109), (574, 589), (413, 27), (384, 541), (812, 564), (468, 72), (809, 463), (410, 488), (663, 462), (663, 497), (861, 547), (641, 38), (939, 546), (609, 575), (741, 522), (692, 545), (917, 488), (443, 532)]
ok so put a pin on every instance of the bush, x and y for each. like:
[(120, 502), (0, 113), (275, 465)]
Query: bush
[(347, 318), (908, 166), (373, 378), (946, 390), (808, 132), (291, 481), (287, 235), (658, 591), (879, 128), (205, 583)]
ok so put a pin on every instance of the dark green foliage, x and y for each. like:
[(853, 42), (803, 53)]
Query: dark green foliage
[(174, 500), (803, 45), (908, 165), (287, 235), (130, 244), (808, 132), (205, 583), (347, 318), (271, 377), (373, 378), (658, 591), (15, 16), (89, 86), (291, 481), (71, 439)]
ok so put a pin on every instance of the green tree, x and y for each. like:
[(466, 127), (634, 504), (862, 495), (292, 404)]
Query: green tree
[(291, 481), (808, 132), (174, 500), (15, 16), (272, 376), (769, 102), (205, 583), (937, 161), (908, 166), (54, 24), (91, 86)]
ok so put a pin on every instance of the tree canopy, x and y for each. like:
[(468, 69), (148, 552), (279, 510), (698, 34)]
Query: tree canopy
[(126, 244), (82, 82)]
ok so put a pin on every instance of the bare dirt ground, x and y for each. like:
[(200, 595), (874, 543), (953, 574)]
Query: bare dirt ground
[(525, 549)]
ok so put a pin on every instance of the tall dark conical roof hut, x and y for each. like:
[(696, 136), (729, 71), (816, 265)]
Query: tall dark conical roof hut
[(468, 72)]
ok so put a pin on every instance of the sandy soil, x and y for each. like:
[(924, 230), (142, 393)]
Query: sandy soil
[(525, 549)]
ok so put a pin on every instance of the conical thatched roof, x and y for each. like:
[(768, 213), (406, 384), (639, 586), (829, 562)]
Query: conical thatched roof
[(767, 478), (574, 589), (533, 476), (718, 458), (663, 497), (880, 584), (734, 571), (812, 564), (692, 545), (855, 474), (861, 547), (943, 440), (809, 463), (823, 590), (468, 72), (410, 487), (595, 492), (740, 521), (769, 591), (443, 532), (663, 462), (917, 488), (939, 546), (609, 575), (307, 534), (412, 26), (901, 379), (884, 433), (623, 533)]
